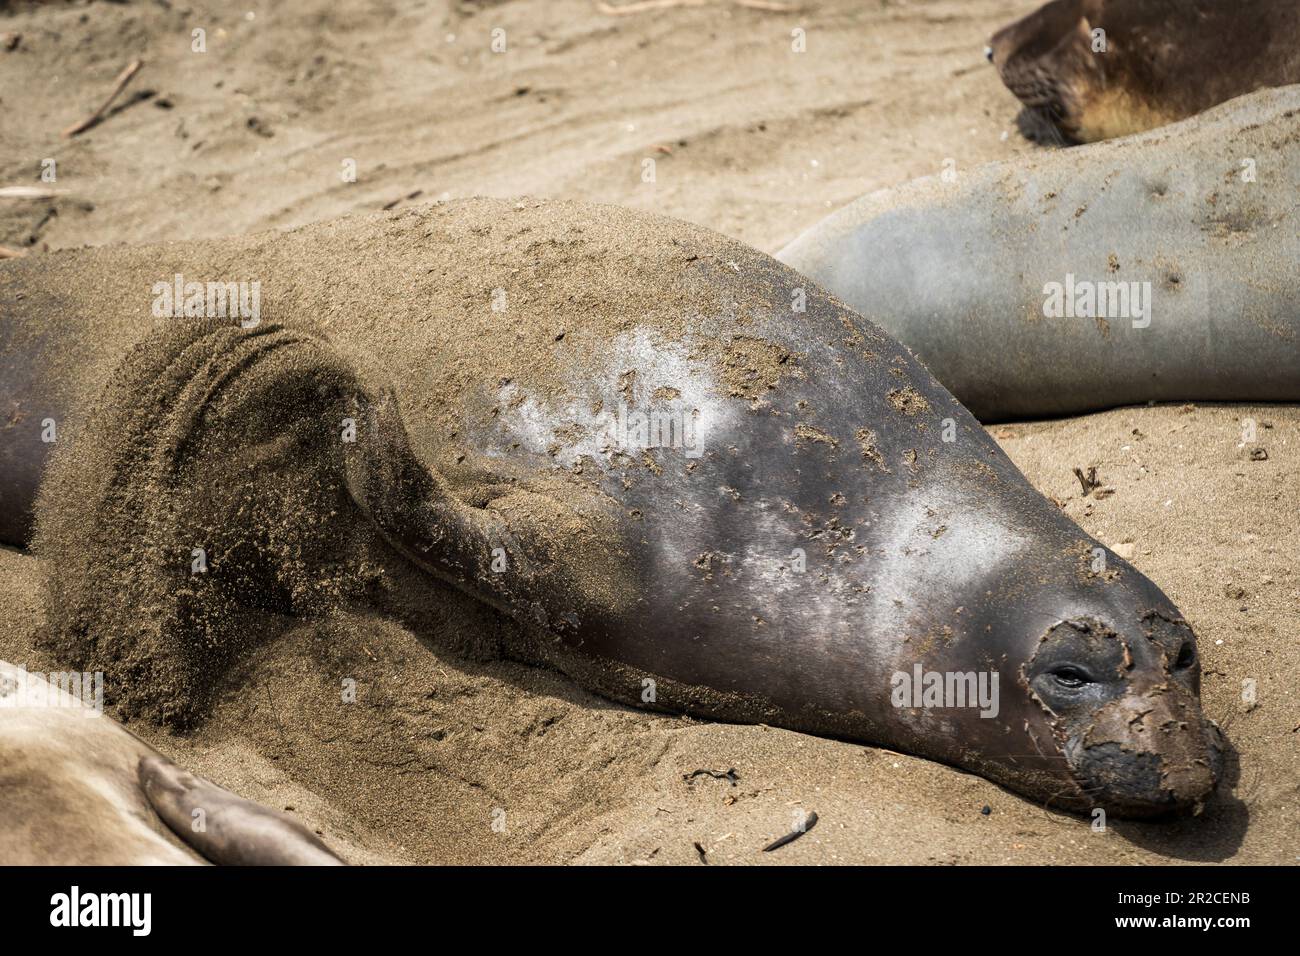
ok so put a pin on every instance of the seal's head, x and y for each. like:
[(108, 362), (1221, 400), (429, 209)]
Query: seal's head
[(1123, 703), (1039, 34), (1089, 70), (1046, 59)]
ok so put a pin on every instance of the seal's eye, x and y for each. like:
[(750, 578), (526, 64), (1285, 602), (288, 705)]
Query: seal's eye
[(1071, 677), (1186, 657), (988, 53)]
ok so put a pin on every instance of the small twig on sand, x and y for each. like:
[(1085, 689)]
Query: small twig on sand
[(279, 728), (7, 252), (729, 774), (411, 195), (809, 822), (123, 78), (643, 6), (1088, 481), (30, 192), (613, 10)]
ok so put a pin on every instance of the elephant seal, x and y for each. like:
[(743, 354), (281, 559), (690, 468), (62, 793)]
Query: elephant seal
[(1157, 268), (79, 788), (1095, 69), (693, 480)]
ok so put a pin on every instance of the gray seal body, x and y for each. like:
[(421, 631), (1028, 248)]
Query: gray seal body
[(1160, 267)]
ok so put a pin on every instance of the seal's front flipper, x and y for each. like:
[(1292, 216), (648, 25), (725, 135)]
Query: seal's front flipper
[(411, 505), (224, 828), (544, 551)]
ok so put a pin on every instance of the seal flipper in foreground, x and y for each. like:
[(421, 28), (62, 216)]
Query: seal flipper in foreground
[(224, 828), (80, 789)]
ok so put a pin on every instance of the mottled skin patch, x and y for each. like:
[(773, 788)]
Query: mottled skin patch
[(752, 366), (812, 434), (908, 401), (870, 451)]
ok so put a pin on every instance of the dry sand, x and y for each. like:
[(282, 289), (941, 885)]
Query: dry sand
[(749, 139)]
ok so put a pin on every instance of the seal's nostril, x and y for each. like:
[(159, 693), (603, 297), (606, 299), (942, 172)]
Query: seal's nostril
[(1186, 656)]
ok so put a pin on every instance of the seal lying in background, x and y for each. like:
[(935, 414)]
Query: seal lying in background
[(1096, 69), (79, 788), (1157, 268), (699, 484)]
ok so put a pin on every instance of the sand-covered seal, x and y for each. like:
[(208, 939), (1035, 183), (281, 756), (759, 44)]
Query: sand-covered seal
[(692, 479), (1161, 267), (1089, 70), (79, 788)]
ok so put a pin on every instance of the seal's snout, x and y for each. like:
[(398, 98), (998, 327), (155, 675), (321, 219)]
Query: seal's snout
[(1148, 755), (1126, 712)]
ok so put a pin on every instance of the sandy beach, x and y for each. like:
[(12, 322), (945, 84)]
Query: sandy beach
[(445, 759)]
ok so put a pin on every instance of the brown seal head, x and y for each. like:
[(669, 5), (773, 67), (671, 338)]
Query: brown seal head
[(1089, 70)]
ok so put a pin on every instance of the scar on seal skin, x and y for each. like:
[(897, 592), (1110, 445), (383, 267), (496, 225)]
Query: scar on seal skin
[(1089, 70)]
